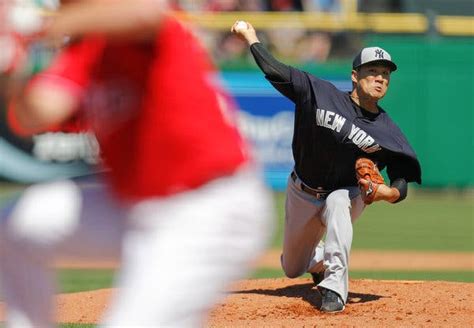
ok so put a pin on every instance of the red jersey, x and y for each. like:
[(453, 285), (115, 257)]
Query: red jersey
[(162, 122)]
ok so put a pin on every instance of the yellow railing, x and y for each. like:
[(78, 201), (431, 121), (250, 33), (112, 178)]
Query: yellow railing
[(360, 22), (381, 23), (455, 25), (345, 21)]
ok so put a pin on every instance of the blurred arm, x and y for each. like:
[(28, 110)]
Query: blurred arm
[(39, 108), (124, 18)]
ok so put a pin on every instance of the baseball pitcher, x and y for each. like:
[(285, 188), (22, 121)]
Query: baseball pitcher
[(341, 141)]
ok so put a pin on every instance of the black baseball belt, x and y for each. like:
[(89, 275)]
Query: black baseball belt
[(320, 193)]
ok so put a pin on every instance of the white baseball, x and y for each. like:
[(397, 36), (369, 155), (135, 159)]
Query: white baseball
[(241, 25)]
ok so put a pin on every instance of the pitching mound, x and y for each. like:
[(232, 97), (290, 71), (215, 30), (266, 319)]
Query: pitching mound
[(295, 303)]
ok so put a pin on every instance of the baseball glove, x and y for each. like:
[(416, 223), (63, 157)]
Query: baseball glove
[(366, 169)]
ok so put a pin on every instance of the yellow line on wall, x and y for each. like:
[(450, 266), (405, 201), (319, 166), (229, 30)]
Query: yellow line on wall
[(455, 25), (346, 21)]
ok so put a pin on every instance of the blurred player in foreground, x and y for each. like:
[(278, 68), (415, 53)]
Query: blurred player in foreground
[(183, 205)]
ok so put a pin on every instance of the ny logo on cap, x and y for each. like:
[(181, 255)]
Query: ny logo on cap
[(379, 53)]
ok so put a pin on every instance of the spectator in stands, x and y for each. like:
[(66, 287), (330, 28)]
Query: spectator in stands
[(284, 5)]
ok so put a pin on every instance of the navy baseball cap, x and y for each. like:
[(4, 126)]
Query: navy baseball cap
[(373, 54)]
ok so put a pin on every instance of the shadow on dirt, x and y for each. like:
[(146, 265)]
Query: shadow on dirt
[(309, 293), (356, 298)]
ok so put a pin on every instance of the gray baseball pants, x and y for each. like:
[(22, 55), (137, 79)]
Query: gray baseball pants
[(307, 220)]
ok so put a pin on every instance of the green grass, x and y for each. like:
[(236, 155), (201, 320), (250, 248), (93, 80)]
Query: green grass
[(442, 221), (461, 276), (423, 223), (426, 221), (8, 191), (77, 280), (265, 273)]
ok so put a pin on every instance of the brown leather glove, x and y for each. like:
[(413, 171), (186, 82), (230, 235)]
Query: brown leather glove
[(366, 169)]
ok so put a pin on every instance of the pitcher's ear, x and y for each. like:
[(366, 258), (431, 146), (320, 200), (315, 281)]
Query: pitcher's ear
[(354, 76)]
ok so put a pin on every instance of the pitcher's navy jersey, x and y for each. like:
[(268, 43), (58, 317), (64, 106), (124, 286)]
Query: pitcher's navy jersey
[(331, 132)]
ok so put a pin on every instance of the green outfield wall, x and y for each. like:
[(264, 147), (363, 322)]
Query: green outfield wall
[(431, 97)]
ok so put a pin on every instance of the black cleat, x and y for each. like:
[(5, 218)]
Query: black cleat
[(317, 277), (331, 301)]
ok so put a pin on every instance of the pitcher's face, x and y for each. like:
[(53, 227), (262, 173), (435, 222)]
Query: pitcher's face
[(372, 80)]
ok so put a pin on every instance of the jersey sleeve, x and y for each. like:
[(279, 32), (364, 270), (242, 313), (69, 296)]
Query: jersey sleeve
[(273, 69), (403, 161), (298, 89), (303, 86), (71, 70), (404, 167)]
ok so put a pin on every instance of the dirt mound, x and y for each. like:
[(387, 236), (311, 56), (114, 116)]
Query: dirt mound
[(372, 303), (295, 303)]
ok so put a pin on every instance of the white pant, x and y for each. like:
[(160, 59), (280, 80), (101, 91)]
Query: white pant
[(307, 220), (178, 253)]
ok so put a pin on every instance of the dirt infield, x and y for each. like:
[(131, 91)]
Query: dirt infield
[(295, 303)]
